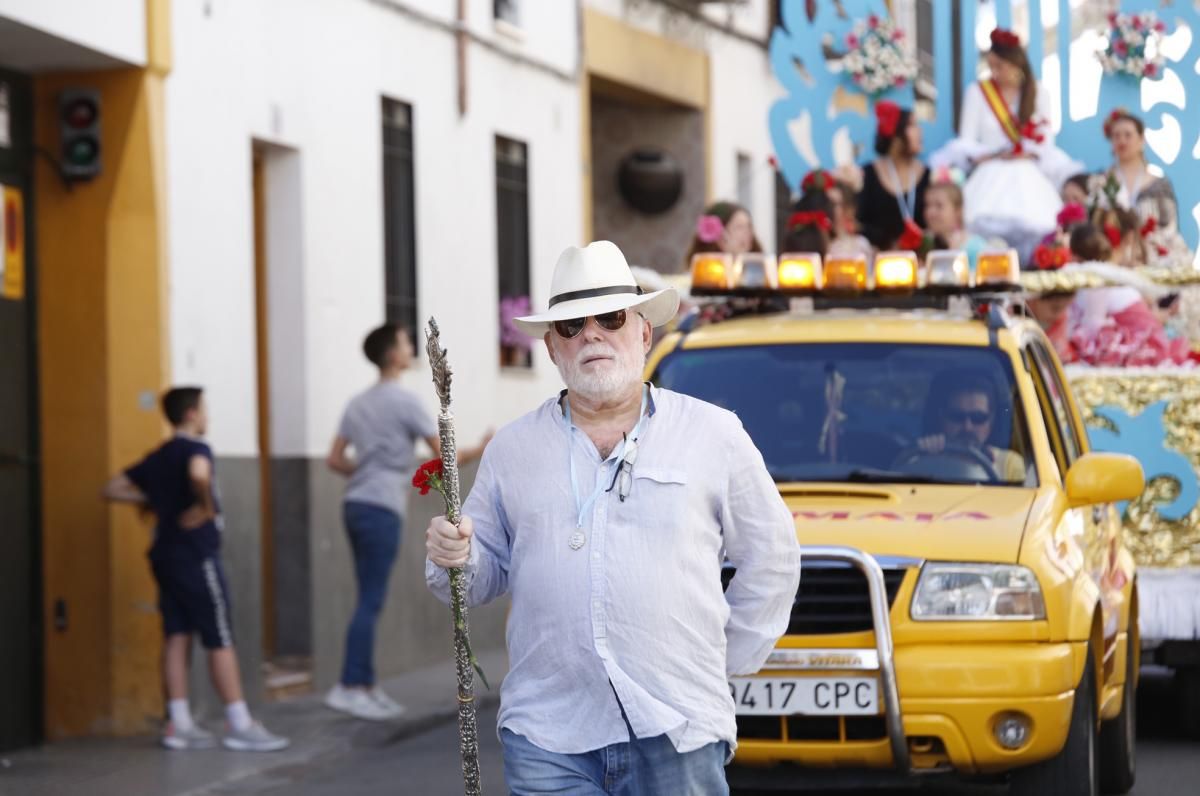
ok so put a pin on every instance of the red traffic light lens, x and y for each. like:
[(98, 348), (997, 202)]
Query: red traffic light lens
[(80, 114)]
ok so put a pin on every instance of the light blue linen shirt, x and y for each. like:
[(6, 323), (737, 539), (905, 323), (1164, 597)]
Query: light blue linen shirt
[(637, 613)]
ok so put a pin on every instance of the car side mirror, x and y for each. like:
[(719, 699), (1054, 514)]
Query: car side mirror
[(1104, 478)]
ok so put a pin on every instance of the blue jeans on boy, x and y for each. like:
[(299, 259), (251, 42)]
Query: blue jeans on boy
[(374, 539), (638, 767)]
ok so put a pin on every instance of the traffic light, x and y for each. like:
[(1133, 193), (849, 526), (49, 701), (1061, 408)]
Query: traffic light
[(79, 121)]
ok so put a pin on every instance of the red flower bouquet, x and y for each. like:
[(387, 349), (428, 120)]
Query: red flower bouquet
[(1050, 258), (429, 476)]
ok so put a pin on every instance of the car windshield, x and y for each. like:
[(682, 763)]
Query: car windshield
[(867, 412)]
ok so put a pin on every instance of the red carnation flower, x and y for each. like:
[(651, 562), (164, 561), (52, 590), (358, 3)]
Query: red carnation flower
[(852, 42), (428, 476), (1049, 258), (817, 180), (1113, 234), (1120, 47), (1160, 26), (1150, 71), (912, 238), (812, 218), (872, 22)]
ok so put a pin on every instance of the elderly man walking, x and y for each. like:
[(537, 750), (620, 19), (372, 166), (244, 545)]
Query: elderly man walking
[(606, 513)]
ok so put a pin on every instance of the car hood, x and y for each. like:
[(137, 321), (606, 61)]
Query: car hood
[(940, 522)]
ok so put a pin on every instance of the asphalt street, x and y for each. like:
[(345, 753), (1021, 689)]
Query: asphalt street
[(427, 763)]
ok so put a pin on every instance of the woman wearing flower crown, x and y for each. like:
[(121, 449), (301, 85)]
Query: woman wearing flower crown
[(892, 199), (1152, 197), (1005, 141)]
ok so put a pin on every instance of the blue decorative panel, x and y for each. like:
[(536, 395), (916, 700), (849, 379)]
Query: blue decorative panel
[(805, 124), (1144, 437)]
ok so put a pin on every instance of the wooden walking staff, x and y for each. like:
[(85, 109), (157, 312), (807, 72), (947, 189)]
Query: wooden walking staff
[(464, 660)]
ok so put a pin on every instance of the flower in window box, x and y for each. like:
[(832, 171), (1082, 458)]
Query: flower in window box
[(510, 336)]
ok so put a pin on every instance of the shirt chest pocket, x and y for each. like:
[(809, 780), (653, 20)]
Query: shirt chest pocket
[(660, 500)]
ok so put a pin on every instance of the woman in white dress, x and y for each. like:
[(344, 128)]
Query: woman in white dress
[(1006, 142)]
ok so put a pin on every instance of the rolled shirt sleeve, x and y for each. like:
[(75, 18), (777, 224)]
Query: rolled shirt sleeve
[(760, 540)]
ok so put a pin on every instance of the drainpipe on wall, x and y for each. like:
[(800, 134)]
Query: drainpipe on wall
[(460, 46)]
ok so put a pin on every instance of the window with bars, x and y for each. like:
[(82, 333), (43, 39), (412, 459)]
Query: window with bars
[(507, 11), (512, 248), (399, 218)]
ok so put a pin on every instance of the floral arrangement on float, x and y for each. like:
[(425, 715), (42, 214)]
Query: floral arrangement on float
[(1133, 45), (875, 59)]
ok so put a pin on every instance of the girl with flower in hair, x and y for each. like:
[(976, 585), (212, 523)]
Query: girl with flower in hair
[(810, 226), (1006, 142), (892, 199), (843, 237), (723, 227)]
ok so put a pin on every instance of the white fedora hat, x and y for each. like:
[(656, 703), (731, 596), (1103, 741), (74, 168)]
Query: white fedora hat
[(595, 280)]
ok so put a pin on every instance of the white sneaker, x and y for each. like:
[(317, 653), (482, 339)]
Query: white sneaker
[(357, 702), (194, 737), (381, 696), (255, 738)]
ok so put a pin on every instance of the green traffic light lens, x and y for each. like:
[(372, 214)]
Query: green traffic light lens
[(81, 151)]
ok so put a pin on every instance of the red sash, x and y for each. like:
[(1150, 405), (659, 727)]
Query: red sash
[(1000, 109)]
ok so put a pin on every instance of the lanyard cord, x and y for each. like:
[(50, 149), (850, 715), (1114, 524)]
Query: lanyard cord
[(906, 199), (583, 507)]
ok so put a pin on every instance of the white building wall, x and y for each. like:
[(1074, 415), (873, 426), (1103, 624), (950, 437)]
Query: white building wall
[(290, 73), (116, 28)]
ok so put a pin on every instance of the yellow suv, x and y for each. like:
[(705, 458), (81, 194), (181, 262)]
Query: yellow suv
[(966, 606)]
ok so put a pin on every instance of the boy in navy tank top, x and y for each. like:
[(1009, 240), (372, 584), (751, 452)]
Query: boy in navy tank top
[(177, 483)]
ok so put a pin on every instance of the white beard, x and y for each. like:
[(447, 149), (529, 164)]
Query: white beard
[(605, 381)]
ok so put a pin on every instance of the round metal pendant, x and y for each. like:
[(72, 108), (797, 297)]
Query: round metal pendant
[(576, 540)]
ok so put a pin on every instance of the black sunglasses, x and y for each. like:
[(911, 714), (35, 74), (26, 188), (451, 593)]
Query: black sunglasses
[(609, 321), (976, 418)]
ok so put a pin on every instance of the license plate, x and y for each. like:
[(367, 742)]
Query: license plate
[(808, 696)]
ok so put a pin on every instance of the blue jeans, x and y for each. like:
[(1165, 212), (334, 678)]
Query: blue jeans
[(374, 539), (638, 767)]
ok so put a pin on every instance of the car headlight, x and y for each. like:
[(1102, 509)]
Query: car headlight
[(977, 591)]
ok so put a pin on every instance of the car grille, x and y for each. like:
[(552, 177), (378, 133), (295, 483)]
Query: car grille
[(833, 598)]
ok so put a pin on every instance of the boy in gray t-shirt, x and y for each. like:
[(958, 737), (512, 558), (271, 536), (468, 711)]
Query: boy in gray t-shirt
[(380, 426)]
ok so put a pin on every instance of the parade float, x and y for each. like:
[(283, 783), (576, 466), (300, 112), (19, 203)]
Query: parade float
[(1139, 54)]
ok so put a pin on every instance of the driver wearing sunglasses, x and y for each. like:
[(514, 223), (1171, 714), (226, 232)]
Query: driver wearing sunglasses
[(966, 421)]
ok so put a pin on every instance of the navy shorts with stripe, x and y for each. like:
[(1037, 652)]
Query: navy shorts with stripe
[(193, 597)]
